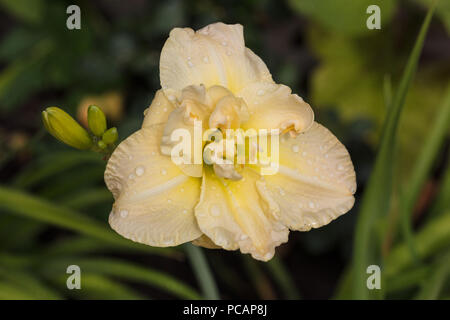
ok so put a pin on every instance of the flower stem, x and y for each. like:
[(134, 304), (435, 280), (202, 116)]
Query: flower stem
[(202, 272)]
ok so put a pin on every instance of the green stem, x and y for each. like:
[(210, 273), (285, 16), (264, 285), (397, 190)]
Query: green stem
[(202, 272)]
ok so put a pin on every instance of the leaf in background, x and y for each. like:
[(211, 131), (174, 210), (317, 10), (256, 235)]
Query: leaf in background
[(422, 167), (377, 196), (123, 270), (98, 287), (433, 286), (29, 283), (29, 11), (344, 16), (442, 10), (350, 78), (18, 202)]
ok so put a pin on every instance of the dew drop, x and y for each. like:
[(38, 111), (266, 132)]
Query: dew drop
[(311, 205), (190, 64), (205, 59), (131, 176), (169, 200), (165, 109), (304, 153), (295, 148), (163, 172), (244, 237), (224, 43), (185, 211), (340, 167), (153, 153), (260, 92), (123, 213), (140, 171), (215, 210), (282, 193), (182, 189)]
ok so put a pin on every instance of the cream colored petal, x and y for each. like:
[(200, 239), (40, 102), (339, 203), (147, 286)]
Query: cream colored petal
[(234, 216), (273, 106), (183, 131), (159, 110), (214, 55), (316, 179), (154, 200)]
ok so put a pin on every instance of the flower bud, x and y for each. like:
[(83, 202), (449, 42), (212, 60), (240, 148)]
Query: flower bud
[(64, 128), (110, 136), (96, 120), (102, 145)]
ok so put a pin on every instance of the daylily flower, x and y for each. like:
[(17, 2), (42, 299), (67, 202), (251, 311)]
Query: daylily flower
[(210, 76)]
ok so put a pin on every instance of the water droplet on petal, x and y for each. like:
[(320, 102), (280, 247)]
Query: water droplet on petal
[(224, 43), (190, 64), (295, 148), (163, 172), (205, 59), (260, 92), (140, 171), (340, 167), (311, 205), (123, 213), (244, 237), (215, 210), (185, 211)]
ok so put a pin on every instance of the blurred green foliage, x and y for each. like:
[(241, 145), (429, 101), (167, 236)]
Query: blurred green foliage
[(54, 205)]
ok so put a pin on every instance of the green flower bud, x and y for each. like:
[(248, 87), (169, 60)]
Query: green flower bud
[(96, 120), (110, 136), (64, 128), (102, 145)]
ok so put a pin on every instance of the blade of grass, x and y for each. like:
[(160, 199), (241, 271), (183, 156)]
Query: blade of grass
[(283, 278), (24, 204), (202, 272), (10, 291), (422, 167), (376, 199)]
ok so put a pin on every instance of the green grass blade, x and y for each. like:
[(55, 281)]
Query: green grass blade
[(376, 199), (202, 272), (431, 148), (21, 203), (283, 278)]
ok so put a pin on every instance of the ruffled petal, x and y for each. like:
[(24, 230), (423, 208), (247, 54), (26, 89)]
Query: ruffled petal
[(234, 216), (316, 180), (214, 55), (159, 110), (154, 200), (273, 106)]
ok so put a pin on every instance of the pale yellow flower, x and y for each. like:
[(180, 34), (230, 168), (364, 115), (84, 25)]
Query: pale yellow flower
[(210, 75)]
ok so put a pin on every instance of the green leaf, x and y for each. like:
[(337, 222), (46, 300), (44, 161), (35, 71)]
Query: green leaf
[(30, 11), (376, 199), (29, 283), (53, 164), (96, 286), (9, 291), (423, 165), (18, 202), (433, 237), (433, 285), (123, 270), (344, 16)]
